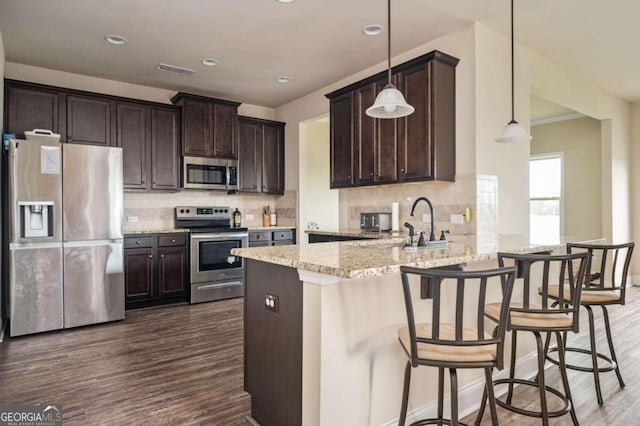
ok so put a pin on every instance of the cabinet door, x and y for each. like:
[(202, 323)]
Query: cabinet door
[(138, 274), (341, 127), (443, 119), (250, 156), (365, 135), (415, 140), (197, 137), (224, 131), (386, 147), (272, 159), (88, 120), (29, 109), (172, 277), (165, 159), (132, 134)]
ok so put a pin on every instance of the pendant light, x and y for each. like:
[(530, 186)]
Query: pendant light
[(389, 103), (513, 132)]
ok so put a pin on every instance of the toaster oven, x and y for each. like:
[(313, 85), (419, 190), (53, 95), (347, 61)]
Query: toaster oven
[(375, 221)]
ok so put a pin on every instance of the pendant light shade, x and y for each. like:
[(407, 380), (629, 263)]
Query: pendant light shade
[(390, 102), (513, 132)]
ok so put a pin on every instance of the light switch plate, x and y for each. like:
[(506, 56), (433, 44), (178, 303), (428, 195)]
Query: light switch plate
[(132, 219), (249, 217), (457, 219)]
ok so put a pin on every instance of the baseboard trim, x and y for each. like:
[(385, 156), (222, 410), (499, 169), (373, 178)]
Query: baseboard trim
[(635, 279), (469, 395)]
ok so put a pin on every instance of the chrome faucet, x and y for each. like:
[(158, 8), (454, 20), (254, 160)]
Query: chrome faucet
[(432, 236)]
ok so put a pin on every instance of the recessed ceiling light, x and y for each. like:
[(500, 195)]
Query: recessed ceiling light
[(283, 78), (372, 30), (116, 39), (210, 62), (285, 1)]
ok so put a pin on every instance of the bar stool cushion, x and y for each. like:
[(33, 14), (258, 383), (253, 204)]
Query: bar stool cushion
[(529, 319), (588, 296), (442, 352)]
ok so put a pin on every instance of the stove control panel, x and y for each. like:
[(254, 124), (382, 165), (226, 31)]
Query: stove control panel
[(202, 212)]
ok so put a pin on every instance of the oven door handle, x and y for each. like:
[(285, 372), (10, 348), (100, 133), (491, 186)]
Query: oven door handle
[(217, 236), (210, 286)]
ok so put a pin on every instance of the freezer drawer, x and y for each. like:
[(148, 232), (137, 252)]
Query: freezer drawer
[(93, 282), (36, 289)]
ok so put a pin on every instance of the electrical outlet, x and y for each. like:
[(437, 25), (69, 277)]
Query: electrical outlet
[(271, 302), (132, 219), (249, 217), (426, 217), (457, 219)]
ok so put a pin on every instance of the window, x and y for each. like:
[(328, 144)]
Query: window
[(545, 197)]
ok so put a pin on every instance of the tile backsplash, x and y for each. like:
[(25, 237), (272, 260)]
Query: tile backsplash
[(447, 198), (155, 211)]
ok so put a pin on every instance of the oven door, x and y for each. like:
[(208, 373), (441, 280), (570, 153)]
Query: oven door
[(211, 258)]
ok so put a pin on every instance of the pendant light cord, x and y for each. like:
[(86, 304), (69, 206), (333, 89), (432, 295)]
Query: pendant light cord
[(389, 41), (513, 115)]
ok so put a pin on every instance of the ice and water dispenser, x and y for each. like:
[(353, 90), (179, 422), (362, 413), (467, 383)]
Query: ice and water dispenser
[(36, 219)]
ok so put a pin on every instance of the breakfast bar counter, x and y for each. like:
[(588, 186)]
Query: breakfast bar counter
[(321, 323)]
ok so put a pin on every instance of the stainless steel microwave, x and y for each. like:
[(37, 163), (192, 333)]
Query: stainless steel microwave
[(209, 173)]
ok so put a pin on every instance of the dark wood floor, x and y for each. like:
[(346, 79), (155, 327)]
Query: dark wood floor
[(621, 406), (178, 365), (182, 365)]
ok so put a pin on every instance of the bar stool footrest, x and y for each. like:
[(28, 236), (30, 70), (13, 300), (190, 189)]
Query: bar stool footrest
[(531, 413), (435, 422), (611, 367)]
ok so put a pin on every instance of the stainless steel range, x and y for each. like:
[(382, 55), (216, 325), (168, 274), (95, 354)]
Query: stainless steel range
[(215, 274)]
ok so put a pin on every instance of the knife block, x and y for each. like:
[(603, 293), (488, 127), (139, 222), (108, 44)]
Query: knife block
[(265, 220)]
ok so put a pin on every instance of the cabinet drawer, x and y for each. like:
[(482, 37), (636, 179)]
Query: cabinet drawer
[(286, 234), (259, 236), (172, 240), (142, 241)]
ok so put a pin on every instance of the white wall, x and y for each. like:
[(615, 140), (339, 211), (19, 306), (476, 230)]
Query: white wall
[(111, 87), (317, 203), (579, 141), (635, 188)]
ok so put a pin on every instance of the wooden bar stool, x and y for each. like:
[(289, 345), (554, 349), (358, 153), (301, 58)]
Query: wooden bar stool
[(454, 344), (545, 316), (602, 288)]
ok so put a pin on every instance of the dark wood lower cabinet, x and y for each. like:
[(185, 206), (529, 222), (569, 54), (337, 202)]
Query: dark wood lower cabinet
[(324, 238), (155, 269)]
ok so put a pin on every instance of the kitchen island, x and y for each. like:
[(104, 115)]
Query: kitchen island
[(320, 327)]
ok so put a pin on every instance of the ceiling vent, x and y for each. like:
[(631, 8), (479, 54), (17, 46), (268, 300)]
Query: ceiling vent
[(175, 69)]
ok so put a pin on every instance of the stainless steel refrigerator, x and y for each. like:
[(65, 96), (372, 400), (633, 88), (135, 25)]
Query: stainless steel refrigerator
[(66, 241)]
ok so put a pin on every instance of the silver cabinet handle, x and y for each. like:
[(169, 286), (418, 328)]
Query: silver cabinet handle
[(173, 240), (150, 256), (138, 242)]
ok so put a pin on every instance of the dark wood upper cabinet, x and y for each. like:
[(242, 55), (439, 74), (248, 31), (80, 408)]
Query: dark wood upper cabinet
[(261, 155), (418, 147), (31, 108), (196, 128), (364, 135), (225, 144), (132, 135), (89, 120), (249, 155), (165, 148), (208, 126), (273, 159), (341, 140)]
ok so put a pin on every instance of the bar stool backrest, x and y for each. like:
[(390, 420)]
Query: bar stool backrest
[(465, 285), (567, 299), (611, 263)]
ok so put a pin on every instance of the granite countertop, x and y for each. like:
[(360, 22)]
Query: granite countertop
[(270, 228), (155, 231), (368, 258), (358, 233)]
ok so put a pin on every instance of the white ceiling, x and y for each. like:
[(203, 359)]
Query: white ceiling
[(315, 42)]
